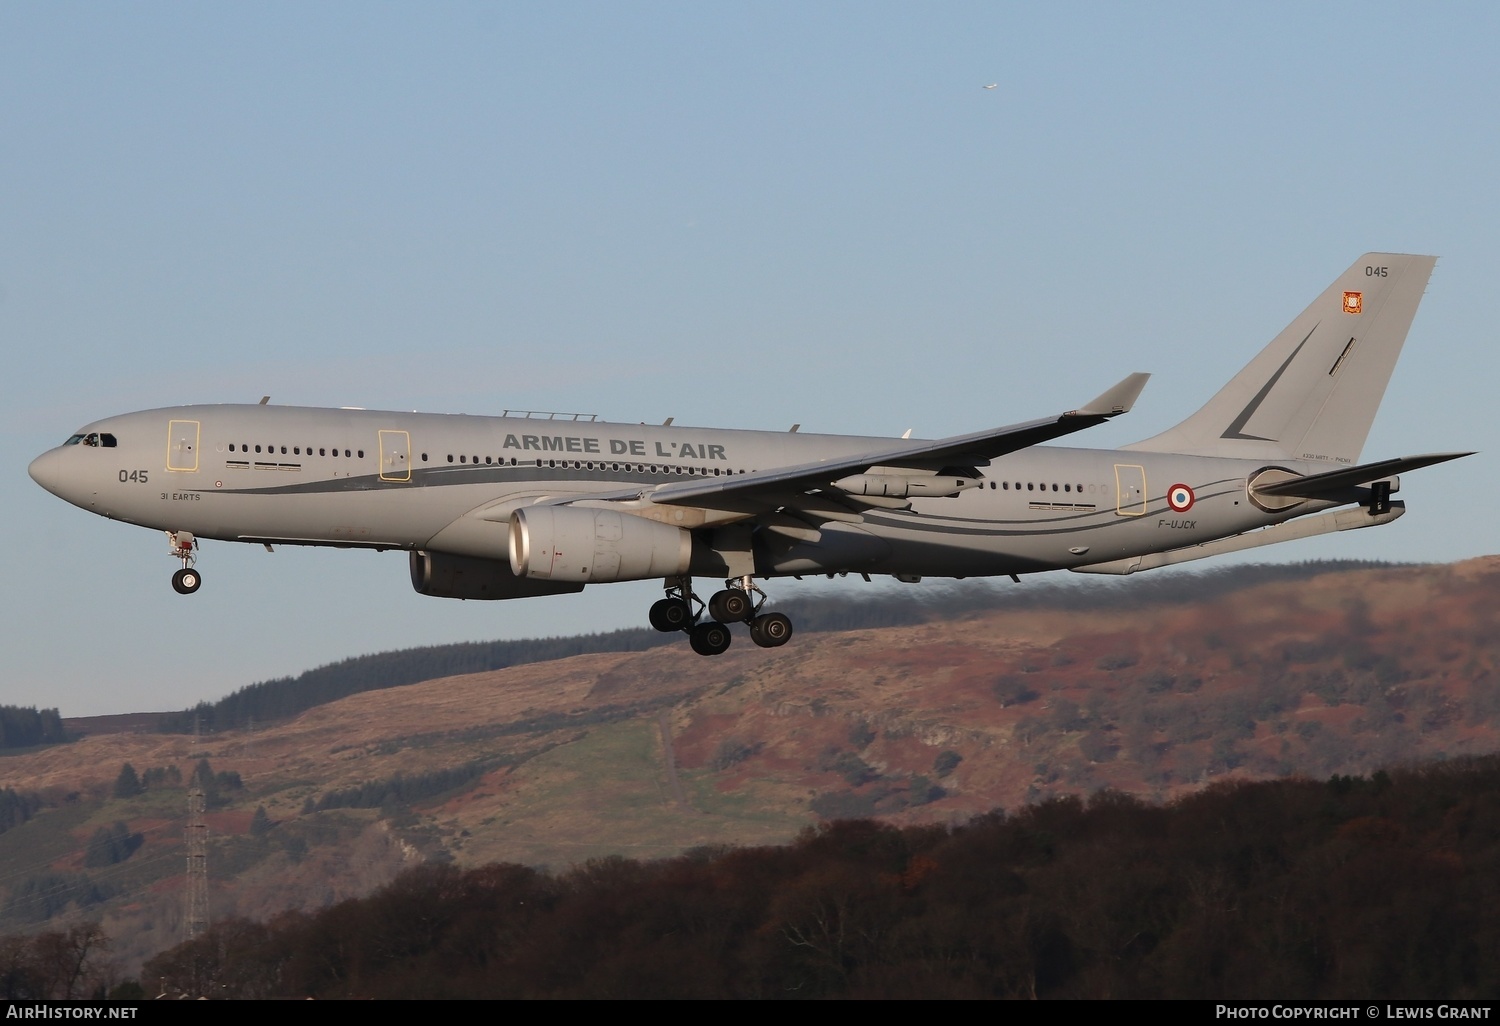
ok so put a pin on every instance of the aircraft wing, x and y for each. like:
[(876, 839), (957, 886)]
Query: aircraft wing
[(773, 487), (1316, 485)]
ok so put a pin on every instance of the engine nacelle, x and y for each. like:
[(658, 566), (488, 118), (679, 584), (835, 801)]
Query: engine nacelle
[(570, 543), (464, 577)]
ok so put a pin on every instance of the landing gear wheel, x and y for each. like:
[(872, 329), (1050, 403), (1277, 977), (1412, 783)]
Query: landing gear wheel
[(671, 614), (186, 581), (730, 606), (771, 630), (710, 638)]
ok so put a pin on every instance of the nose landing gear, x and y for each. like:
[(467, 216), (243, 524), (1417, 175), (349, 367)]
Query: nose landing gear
[(187, 580), (740, 602)]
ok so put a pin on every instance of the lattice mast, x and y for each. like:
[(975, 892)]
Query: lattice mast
[(197, 864)]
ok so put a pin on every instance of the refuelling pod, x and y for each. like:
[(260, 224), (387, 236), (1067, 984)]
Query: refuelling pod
[(464, 577), (893, 486), (570, 543)]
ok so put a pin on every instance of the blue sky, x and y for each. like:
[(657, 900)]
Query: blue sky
[(745, 215)]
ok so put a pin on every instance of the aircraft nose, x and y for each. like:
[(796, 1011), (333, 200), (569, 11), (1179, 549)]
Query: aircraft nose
[(46, 470)]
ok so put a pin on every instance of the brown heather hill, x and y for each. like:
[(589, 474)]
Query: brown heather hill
[(650, 753)]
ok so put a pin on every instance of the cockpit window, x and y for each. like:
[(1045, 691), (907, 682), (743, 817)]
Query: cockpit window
[(93, 438)]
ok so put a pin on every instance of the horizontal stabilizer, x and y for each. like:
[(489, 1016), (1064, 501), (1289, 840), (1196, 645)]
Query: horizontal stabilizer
[(1315, 485)]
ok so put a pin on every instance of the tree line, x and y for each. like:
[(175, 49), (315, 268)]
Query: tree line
[(1385, 886), (61, 965), (25, 727)]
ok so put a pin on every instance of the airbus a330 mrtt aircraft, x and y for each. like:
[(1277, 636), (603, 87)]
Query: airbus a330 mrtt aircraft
[(524, 504)]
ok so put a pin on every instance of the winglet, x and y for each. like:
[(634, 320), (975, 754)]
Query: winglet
[(1116, 401)]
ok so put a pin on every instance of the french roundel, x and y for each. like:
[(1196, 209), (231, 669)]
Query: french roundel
[(1180, 497)]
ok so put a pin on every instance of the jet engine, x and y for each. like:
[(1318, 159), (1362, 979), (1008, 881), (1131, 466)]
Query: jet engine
[(464, 577), (570, 543)]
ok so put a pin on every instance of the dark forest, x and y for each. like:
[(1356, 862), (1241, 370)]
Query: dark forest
[(1356, 887)]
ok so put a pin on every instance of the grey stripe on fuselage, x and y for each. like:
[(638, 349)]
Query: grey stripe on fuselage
[(344, 501)]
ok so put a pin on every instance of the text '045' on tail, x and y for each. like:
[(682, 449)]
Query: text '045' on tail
[(525, 504)]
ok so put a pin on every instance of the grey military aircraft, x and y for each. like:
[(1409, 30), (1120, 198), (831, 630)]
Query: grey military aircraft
[(529, 504)]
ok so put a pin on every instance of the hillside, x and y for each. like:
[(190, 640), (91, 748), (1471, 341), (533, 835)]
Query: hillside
[(653, 752)]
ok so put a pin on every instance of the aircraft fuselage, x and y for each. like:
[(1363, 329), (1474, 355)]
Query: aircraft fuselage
[(448, 483)]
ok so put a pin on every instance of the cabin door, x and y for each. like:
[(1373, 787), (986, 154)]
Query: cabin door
[(395, 456), (182, 445)]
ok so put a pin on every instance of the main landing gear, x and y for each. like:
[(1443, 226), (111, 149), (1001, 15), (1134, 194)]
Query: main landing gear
[(739, 602), (187, 580)]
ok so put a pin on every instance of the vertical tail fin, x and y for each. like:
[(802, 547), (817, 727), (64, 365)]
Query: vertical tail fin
[(1312, 393)]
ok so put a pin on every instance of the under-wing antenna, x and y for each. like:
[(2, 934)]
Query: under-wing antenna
[(264, 399)]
